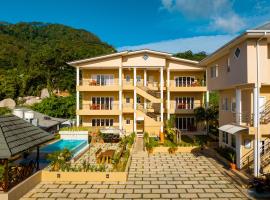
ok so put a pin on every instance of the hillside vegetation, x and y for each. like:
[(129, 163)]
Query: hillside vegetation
[(33, 56)]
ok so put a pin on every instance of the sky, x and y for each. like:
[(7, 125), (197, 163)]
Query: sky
[(164, 25)]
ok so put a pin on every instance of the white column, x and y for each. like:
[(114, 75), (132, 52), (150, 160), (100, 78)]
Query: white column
[(120, 97), (134, 100), (168, 94), (145, 84), (256, 126), (161, 97), (238, 106), (77, 95), (238, 144)]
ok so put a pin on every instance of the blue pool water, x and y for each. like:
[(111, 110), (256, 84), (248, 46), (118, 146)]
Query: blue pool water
[(73, 145)]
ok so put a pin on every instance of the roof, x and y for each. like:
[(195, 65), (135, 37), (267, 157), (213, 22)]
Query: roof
[(256, 32), (17, 135), (231, 128), (45, 121), (265, 26), (125, 53)]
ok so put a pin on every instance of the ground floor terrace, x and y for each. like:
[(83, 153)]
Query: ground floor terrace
[(158, 176)]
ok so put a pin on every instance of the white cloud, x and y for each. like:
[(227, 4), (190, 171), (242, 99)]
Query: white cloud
[(196, 44), (220, 13)]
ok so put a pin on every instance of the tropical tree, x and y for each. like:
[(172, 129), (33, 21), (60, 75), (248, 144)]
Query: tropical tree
[(169, 128)]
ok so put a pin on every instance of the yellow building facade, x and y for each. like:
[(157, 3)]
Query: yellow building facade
[(136, 91), (240, 72)]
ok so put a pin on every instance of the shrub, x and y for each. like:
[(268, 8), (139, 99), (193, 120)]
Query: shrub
[(59, 160), (226, 152)]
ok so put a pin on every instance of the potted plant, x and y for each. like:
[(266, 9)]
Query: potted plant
[(232, 164), (149, 148)]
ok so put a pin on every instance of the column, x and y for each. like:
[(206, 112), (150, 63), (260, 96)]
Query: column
[(238, 106), (134, 100), (168, 94), (120, 98), (207, 99), (145, 84), (238, 144), (161, 97), (77, 95), (256, 126)]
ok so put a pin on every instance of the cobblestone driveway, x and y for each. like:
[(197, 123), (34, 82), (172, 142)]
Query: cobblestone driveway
[(180, 176)]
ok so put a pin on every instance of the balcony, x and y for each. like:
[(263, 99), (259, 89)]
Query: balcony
[(99, 109), (191, 86), (183, 108), (93, 85)]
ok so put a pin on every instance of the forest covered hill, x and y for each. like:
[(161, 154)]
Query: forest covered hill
[(33, 56)]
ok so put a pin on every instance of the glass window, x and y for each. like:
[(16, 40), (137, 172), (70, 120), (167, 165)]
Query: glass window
[(233, 141), (107, 122), (227, 138), (247, 143), (98, 122), (214, 72), (223, 137), (102, 122), (237, 52), (127, 78), (111, 122), (138, 78), (138, 99), (93, 122), (127, 121), (127, 99)]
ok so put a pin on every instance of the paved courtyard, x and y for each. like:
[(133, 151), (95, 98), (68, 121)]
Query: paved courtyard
[(160, 176)]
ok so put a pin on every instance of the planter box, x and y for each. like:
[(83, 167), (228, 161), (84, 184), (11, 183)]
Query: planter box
[(74, 135), (83, 176), (179, 150)]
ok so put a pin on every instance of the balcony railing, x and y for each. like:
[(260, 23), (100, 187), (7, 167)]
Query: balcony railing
[(196, 83), (185, 106), (96, 106), (98, 83)]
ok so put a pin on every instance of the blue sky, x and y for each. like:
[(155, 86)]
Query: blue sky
[(166, 25)]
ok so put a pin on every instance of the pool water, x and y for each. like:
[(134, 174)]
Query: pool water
[(72, 145)]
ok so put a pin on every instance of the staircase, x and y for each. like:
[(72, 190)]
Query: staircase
[(152, 115), (265, 114), (151, 95), (247, 160)]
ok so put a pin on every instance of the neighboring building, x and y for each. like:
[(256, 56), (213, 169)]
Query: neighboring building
[(232, 71), (45, 122), (138, 90)]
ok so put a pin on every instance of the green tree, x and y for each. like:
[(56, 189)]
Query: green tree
[(191, 56), (62, 107)]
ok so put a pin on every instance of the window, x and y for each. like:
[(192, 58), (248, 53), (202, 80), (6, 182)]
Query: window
[(184, 103), (101, 103), (184, 81), (127, 121), (127, 99), (185, 123), (102, 79), (127, 78), (228, 65), (247, 143), (214, 72), (138, 99), (237, 52), (233, 105), (226, 138), (102, 122), (93, 122), (225, 104), (223, 137), (233, 141), (138, 78)]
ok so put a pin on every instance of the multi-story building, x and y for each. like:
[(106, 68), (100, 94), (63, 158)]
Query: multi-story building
[(240, 72), (136, 91)]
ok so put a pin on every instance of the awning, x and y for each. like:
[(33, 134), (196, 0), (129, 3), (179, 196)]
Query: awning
[(232, 129)]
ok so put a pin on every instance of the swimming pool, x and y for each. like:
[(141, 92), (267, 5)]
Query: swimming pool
[(75, 146)]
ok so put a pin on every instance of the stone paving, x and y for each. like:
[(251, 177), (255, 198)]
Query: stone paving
[(159, 176)]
